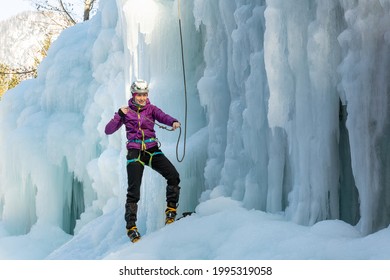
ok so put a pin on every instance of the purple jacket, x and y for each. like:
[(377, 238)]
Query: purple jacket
[(138, 121)]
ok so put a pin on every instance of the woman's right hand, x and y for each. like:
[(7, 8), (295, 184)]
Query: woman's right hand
[(125, 110)]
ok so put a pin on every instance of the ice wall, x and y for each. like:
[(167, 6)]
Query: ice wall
[(52, 145), (294, 128), (302, 54), (288, 112)]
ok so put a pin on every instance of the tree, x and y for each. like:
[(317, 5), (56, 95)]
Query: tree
[(8, 79), (68, 9), (11, 77), (88, 6)]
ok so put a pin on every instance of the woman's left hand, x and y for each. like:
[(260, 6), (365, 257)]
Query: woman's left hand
[(175, 125)]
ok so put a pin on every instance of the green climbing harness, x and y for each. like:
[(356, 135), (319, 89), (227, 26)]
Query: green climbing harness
[(138, 159)]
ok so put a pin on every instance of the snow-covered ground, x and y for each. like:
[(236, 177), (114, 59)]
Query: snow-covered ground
[(221, 229)]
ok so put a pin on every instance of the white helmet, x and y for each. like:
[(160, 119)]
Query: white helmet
[(139, 86)]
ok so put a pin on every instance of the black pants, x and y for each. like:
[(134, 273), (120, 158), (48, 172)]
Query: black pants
[(135, 169)]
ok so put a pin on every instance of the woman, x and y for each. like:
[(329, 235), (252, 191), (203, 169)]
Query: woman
[(143, 149)]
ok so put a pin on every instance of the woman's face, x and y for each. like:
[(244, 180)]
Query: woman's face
[(140, 98)]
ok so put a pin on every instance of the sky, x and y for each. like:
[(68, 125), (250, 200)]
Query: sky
[(11, 8)]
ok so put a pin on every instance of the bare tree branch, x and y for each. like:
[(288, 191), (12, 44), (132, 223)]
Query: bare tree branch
[(19, 73), (66, 8), (66, 12)]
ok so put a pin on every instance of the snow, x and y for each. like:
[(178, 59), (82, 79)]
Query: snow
[(273, 169), (208, 234), (23, 36)]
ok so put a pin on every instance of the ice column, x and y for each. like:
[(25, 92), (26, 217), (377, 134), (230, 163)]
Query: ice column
[(365, 82), (301, 58)]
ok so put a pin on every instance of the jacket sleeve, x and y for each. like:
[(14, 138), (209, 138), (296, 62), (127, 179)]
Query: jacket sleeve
[(114, 124), (162, 117)]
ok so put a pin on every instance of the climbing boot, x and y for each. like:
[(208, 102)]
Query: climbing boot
[(170, 215), (133, 234)]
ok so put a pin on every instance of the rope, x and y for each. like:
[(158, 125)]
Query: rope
[(185, 93)]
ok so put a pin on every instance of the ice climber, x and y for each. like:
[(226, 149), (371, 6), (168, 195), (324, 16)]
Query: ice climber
[(143, 149)]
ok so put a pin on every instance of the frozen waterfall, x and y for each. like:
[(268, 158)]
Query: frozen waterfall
[(288, 112)]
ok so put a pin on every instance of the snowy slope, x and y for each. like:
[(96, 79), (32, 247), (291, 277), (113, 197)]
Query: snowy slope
[(23, 36), (208, 234), (275, 167)]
